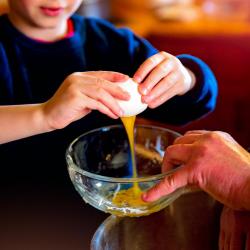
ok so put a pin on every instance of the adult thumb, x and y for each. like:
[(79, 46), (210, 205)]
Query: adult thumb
[(168, 185)]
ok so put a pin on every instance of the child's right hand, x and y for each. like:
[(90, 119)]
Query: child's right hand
[(80, 93)]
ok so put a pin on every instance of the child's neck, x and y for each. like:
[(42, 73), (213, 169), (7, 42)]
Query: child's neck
[(40, 33)]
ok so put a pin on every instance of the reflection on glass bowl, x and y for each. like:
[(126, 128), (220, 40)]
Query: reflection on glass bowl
[(99, 165)]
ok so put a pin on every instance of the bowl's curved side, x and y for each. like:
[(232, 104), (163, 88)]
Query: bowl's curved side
[(192, 222), (85, 165)]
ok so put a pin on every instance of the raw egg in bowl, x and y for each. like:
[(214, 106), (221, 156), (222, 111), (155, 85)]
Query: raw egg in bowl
[(101, 169)]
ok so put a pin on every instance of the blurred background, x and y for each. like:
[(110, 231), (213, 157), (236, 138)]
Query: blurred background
[(217, 31)]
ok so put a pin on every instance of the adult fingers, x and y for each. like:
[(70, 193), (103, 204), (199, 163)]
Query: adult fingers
[(200, 132), (169, 164), (168, 185), (176, 155), (187, 139)]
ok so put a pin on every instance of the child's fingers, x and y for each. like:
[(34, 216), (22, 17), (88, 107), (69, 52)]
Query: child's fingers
[(161, 88), (96, 105), (105, 98), (157, 101), (115, 91), (162, 70), (98, 83), (111, 76), (148, 65)]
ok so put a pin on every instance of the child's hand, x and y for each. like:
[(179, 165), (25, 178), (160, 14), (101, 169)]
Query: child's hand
[(80, 93), (161, 77)]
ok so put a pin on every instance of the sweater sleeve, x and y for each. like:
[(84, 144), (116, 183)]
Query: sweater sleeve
[(194, 104), (6, 81)]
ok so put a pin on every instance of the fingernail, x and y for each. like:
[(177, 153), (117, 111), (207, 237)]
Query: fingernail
[(137, 79), (144, 91)]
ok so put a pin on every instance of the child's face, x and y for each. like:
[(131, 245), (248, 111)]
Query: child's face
[(42, 13)]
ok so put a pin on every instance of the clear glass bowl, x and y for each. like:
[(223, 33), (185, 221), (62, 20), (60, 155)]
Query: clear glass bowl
[(99, 165)]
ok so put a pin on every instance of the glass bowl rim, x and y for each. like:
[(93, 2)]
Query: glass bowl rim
[(117, 179)]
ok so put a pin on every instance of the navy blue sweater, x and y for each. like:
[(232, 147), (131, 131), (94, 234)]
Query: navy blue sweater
[(31, 72)]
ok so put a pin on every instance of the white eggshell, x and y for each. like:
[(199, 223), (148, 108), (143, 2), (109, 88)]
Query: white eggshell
[(134, 105)]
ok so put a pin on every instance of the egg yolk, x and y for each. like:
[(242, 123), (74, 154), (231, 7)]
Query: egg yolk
[(132, 196)]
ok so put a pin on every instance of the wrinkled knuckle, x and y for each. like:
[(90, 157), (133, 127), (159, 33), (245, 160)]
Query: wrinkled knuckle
[(203, 150), (212, 136), (159, 100), (164, 54), (99, 92), (175, 62), (98, 87), (98, 83), (163, 67), (172, 79), (224, 135), (169, 182), (153, 60), (199, 180), (168, 150), (73, 77), (69, 81), (71, 88)]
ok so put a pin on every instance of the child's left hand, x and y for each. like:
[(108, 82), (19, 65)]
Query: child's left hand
[(161, 77)]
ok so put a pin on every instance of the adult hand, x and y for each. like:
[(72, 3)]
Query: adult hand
[(212, 161), (81, 93), (234, 230), (161, 77)]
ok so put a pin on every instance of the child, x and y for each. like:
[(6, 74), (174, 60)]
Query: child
[(43, 45)]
